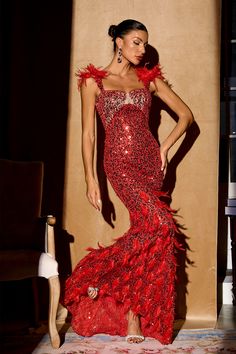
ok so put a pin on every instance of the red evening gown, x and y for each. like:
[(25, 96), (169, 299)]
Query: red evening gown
[(138, 271)]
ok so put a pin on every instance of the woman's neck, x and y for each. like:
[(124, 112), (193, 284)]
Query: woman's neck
[(119, 69)]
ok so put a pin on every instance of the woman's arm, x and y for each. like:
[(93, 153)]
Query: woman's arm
[(175, 103), (88, 96)]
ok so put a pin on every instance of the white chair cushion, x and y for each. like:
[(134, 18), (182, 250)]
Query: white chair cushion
[(48, 266)]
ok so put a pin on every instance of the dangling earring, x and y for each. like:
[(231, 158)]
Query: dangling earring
[(119, 59)]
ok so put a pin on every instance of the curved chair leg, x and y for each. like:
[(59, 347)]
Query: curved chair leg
[(54, 286)]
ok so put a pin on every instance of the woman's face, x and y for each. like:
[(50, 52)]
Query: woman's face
[(133, 45)]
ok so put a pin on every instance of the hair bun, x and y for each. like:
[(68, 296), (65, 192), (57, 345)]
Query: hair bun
[(112, 31)]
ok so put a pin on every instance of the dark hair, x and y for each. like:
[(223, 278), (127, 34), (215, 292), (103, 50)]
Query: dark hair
[(124, 28)]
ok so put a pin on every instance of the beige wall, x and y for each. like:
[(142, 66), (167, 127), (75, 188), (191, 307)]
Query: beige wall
[(186, 35)]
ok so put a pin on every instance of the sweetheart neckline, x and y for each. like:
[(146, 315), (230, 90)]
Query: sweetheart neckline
[(122, 91)]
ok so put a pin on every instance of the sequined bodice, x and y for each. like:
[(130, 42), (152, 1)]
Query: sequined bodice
[(110, 102), (128, 142)]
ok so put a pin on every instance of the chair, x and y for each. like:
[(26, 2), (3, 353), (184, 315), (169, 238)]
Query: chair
[(27, 247)]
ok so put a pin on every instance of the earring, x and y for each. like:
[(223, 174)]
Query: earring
[(119, 59)]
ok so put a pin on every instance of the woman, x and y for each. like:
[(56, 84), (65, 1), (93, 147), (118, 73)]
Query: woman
[(128, 287)]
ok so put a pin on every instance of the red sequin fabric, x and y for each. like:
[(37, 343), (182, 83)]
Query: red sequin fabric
[(137, 272)]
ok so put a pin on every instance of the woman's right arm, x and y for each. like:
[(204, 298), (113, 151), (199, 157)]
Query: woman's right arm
[(89, 90)]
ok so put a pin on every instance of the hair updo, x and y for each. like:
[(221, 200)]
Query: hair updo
[(124, 28)]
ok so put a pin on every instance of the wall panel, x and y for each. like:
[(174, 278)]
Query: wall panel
[(186, 35)]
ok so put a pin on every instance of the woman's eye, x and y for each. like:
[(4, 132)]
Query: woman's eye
[(137, 43)]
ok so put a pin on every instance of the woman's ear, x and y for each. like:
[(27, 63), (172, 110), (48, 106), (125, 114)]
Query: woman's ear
[(119, 42)]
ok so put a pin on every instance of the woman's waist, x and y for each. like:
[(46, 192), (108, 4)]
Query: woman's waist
[(127, 134), (126, 149)]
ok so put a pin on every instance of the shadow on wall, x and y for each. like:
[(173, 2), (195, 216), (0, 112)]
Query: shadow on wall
[(151, 59), (35, 44)]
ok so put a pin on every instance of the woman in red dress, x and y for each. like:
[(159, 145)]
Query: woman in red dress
[(128, 287)]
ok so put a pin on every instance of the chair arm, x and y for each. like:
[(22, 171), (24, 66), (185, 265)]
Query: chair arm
[(49, 235)]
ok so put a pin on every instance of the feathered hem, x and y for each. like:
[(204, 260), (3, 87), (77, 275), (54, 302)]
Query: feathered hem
[(137, 272)]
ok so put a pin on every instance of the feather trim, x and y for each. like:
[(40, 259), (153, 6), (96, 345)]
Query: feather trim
[(148, 75), (90, 71)]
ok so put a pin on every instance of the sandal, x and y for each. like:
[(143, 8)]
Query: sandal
[(92, 292), (134, 327), (134, 338)]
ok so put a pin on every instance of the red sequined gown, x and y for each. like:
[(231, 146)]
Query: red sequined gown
[(137, 272)]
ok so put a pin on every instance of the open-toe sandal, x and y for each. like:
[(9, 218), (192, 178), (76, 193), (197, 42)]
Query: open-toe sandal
[(134, 338), (92, 292)]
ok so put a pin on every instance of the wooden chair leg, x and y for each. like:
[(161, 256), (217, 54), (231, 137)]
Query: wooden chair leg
[(54, 287)]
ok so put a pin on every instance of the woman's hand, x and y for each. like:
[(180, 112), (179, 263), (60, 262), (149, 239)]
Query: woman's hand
[(164, 160), (93, 194)]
